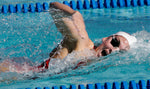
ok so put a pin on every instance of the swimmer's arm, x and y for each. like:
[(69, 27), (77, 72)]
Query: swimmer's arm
[(59, 11), (62, 7), (68, 21), (4, 66), (71, 25)]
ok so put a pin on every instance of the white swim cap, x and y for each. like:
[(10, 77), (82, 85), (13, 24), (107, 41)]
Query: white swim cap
[(131, 39)]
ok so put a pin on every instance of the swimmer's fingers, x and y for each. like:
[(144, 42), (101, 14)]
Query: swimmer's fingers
[(62, 7), (4, 66)]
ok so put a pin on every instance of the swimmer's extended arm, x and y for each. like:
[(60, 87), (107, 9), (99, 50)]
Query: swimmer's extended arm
[(62, 7), (71, 25), (4, 66), (68, 21)]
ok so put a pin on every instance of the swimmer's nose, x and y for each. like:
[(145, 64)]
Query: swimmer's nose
[(106, 52), (115, 49)]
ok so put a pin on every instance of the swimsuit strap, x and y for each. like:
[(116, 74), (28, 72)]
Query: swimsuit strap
[(94, 47), (45, 64)]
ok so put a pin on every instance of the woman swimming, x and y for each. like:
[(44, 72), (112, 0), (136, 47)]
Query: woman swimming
[(71, 25)]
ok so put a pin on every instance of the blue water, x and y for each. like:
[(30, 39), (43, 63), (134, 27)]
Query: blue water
[(30, 37)]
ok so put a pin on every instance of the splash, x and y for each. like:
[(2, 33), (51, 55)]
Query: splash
[(138, 54)]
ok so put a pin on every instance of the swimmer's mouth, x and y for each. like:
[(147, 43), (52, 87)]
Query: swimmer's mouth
[(103, 53)]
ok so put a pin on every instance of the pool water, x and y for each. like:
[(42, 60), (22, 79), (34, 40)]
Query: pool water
[(30, 38)]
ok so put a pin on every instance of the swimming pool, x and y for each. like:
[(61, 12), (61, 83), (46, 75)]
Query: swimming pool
[(32, 36)]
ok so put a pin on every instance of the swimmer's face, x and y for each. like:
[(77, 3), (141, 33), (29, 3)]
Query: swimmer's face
[(111, 44)]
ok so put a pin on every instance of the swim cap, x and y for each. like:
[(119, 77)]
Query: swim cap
[(131, 39)]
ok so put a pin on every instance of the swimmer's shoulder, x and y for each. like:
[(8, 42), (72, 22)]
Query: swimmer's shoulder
[(85, 44)]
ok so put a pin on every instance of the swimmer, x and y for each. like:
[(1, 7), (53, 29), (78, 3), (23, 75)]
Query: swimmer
[(71, 25)]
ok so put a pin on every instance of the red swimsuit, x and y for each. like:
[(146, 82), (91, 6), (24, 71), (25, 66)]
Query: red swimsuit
[(46, 63)]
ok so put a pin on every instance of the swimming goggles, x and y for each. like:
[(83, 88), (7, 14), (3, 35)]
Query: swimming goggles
[(115, 42)]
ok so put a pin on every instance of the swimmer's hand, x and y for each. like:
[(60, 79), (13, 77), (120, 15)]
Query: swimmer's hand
[(4, 66)]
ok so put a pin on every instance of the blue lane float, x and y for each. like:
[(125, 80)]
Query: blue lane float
[(134, 3), (121, 3), (18, 8), (79, 4), (124, 85), (115, 85), (73, 5), (86, 4), (4, 9), (107, 3), (147, 2), (31, 8), (66, 3), (127, 3), (100, 4), (93, 4), (25, 8), (11, 9), (39, 7), (113, 3), (45, 6)]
